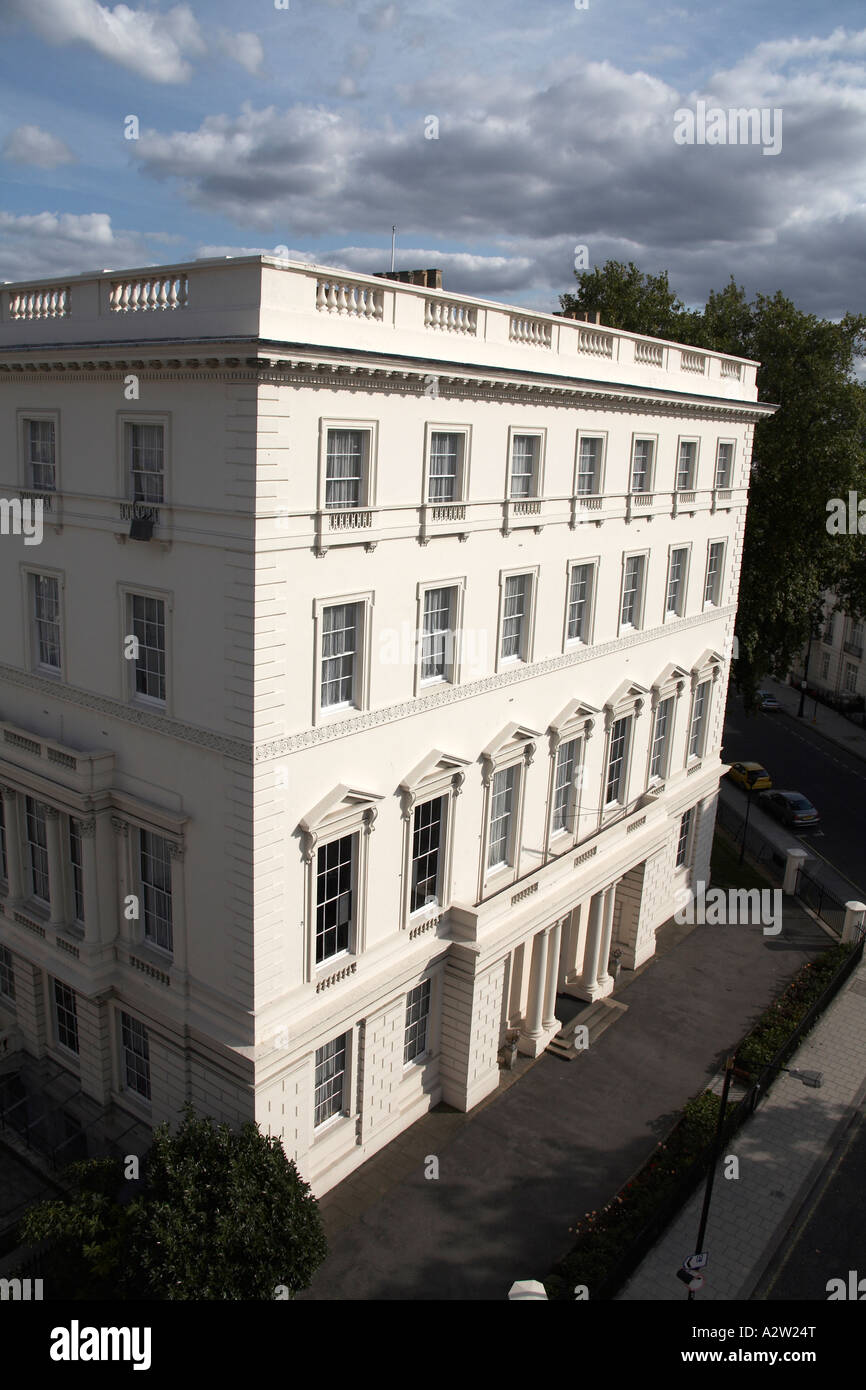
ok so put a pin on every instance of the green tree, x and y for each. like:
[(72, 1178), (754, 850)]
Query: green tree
[(629, 299), (219, 1214), (89, 1253)]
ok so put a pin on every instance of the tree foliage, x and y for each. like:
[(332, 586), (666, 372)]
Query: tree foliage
[(217, 1214), (811, 451)]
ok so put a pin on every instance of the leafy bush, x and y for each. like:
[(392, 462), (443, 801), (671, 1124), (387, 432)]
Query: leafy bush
[(217, 1214)]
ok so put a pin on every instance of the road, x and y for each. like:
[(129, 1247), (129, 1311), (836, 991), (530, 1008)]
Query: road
[(798, 758)]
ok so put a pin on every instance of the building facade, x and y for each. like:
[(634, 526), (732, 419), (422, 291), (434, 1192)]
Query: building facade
[(363, 659), (836, 670)]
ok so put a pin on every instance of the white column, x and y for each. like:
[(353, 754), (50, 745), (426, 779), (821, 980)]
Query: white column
[(855, 915), (587, 985), (533, 1030), (604, 980), (550, 1021), (14, 842), (178, 909), (89, 880), (58, 914), (124, 878)]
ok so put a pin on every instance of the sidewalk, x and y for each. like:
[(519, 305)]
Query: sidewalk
[(781, 1150), (825, 721), (515, 1173)]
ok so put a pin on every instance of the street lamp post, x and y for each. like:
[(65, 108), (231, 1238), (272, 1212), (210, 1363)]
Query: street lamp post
[(814, 1079)]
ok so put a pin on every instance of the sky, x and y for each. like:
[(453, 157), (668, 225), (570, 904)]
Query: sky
[(499, 138)]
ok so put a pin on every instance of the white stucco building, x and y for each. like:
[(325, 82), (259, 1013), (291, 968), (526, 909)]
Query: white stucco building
[(363, 691)]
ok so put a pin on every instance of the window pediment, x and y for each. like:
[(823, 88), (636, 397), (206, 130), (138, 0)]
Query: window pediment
[(628, 698), (708, 667), (343, 808), (436, 773), (512, 741), (671, 681)]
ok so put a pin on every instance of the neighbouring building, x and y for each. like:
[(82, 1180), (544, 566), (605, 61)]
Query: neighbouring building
[(362, 692), (836, 672)]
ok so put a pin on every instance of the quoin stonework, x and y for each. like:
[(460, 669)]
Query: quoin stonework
[(244, 860)]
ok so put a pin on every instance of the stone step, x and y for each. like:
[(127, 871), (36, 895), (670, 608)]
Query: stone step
[(596, 1019)]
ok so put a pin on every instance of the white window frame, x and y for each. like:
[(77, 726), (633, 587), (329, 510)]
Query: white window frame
[(539, 434), (130, 1094), (28, 574), (7, 975), (527, 631), (717, 484), (125, 475), (682, 594), (637, 622), (352, 838), (593, 562), (461, 482), (705, 683), (515, 752), (361, 692), (345, 1110), (127, 592), (44, 903), (440, 775), (715, 601), (145, 940), (54, 1014), (692, 484), (24, 466), (619, 802), (852, 672), (370, 447), (601, 466), (652, 440), (77, 920), (629, 704), (684, 865), (344, 813), (668, 701), (420, 1057), (457, 586)]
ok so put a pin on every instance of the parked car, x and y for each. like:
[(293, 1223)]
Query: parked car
[(739, 773), (792, 808), (766, 701)]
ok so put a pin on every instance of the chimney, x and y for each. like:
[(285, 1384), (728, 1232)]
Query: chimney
[(581, 315), (429, 279)]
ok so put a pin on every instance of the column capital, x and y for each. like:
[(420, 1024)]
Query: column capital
[(175, 851), (8, 793), (120, 827), (87, 828), (51, 812)]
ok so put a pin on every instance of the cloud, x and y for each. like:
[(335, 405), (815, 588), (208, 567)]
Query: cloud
[(155, 44), (50, 243), (584, 155), (28, 144), (245, 49)]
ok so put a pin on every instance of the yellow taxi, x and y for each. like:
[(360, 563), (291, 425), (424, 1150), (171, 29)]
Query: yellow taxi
[(743, 773)]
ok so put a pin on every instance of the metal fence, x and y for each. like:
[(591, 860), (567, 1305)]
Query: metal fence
[(816, 895), (758, 847)]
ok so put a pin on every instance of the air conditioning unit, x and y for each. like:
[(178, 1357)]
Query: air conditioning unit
[(10, 1041)]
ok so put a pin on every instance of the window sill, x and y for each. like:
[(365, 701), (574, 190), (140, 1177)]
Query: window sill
[(131, 1100)]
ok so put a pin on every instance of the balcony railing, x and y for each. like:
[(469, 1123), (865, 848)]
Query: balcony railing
[(259, 296)]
